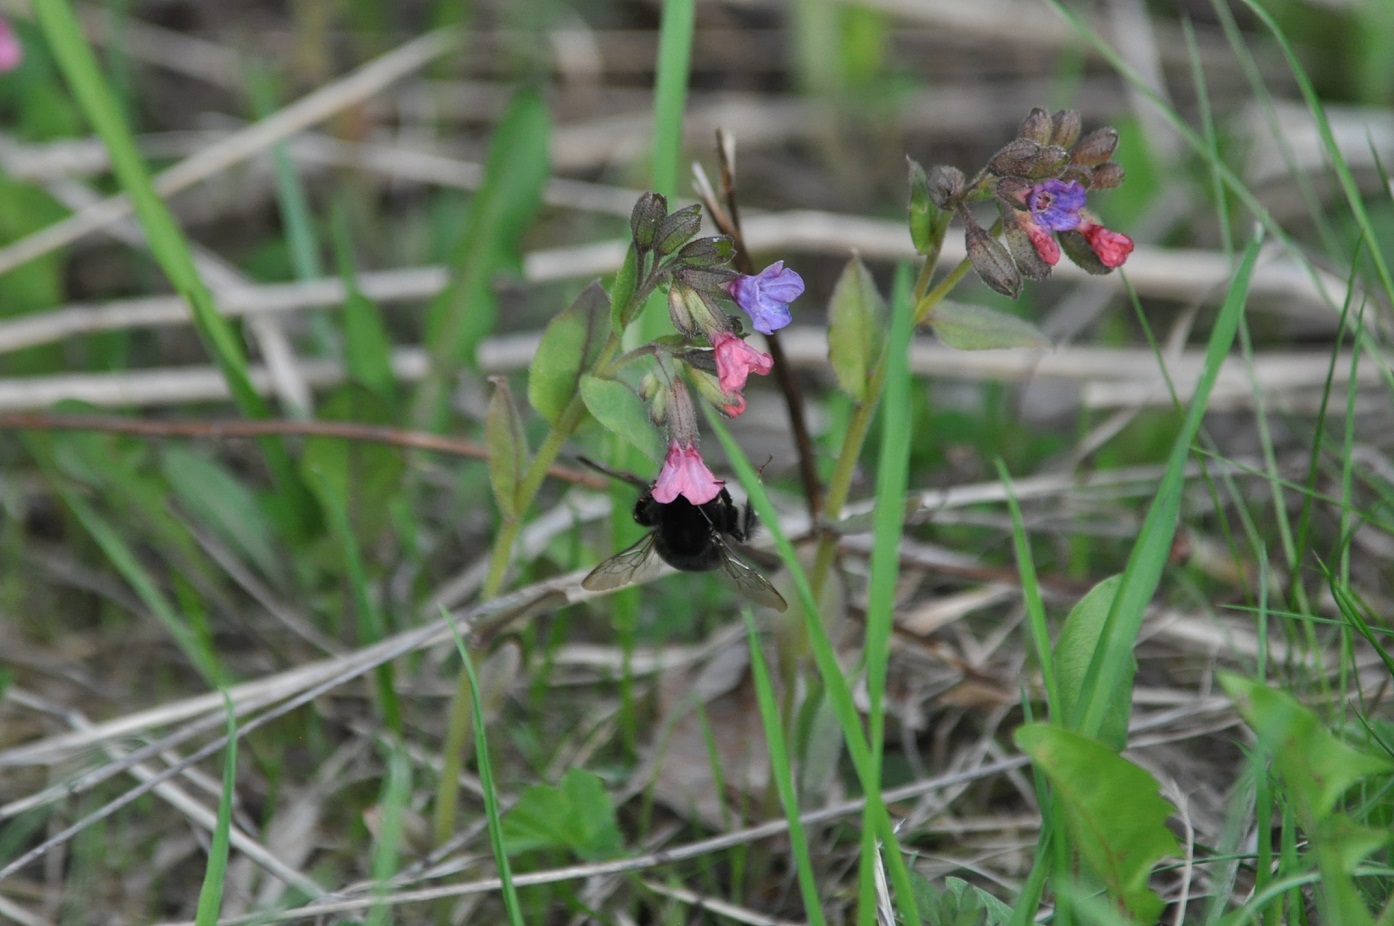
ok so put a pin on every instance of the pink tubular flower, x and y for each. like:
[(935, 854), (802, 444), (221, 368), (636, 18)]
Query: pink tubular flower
[(684, 473), (1047, 248), (736, 360), (1112, 247), (765, 297), (11, 51)]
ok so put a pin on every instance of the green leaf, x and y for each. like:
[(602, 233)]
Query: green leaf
[(856, 328), (622, 290), (221, 503), (570, 345), (367, 348), (966, 326), (210, 896), (359, 475), (1074, 650), (1115, 818), (515, 172), (621, 412), (957, 903), (507, 446), (921, 210), (1315, 766), (577, 815)]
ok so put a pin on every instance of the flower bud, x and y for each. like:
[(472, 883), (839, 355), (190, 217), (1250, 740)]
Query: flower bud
[(1096, 147), (1036, 126), (1049, 160), (1107, 176), (678, 229), (990, 259), (1066, 129), (707, 280), (945, 186), (706, 252), (644, 220), (1015, 159)]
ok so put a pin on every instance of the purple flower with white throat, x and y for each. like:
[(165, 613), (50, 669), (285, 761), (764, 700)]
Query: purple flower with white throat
[(765, 297), (1055, 204)]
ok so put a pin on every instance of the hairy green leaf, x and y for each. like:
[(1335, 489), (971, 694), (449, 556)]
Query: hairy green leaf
[(1115, 817), (968, 326), (570, 346), (507, 446), (856, 328), (620, 411)]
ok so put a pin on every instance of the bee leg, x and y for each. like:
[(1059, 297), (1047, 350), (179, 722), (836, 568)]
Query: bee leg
[(750, 522)]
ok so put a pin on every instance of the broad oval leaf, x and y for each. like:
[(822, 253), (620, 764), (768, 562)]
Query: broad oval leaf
[(1074, 650), (966, 326), (1114, 815), (622, 413), (856, 328), (571, 344)]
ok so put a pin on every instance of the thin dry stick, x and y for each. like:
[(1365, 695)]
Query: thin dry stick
[(223, 430)]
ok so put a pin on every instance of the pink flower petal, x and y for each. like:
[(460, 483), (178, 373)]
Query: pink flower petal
[(684, 473), (1112, 247), (736, 360)]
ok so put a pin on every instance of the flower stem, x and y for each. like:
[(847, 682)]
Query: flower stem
[(457, 728)]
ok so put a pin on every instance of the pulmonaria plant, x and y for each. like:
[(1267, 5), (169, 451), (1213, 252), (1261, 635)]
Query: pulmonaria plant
[(666, 254), (1040, 182)]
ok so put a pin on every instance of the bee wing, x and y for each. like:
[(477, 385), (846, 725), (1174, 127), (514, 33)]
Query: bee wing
[(735, 573), (628, 565)]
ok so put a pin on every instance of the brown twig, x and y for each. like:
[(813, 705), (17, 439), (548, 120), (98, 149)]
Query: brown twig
[(726, 215), (240, 429)]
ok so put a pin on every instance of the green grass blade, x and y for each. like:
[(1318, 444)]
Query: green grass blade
[(892, 477), (167, 241), (783, 772), (486, 782), (464, 312), (838, 691), (1144, 570), (210, 896), (387, 850), (670, 92)]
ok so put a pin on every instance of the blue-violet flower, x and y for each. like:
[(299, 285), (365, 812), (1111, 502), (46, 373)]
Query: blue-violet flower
[(765, 297), (1055, 204)]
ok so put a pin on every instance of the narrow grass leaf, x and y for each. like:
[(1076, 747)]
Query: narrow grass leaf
[(486, 782), (387, 847), (782, 770), (367, 347), (167, 241), (222, 504), (1114, 815), (838, 691), (515, 172), (671, 76), (1113, 658), (210, 896), (1031, 592), (888, 519), (124, 560)]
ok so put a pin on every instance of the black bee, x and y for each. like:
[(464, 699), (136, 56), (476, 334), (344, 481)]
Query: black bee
[(687, 537)]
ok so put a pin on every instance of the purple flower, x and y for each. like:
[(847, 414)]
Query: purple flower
[(765, 297), (1055, 204)]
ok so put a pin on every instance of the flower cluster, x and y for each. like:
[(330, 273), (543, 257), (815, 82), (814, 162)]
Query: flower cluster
[(1040, 182), (696, 274)]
